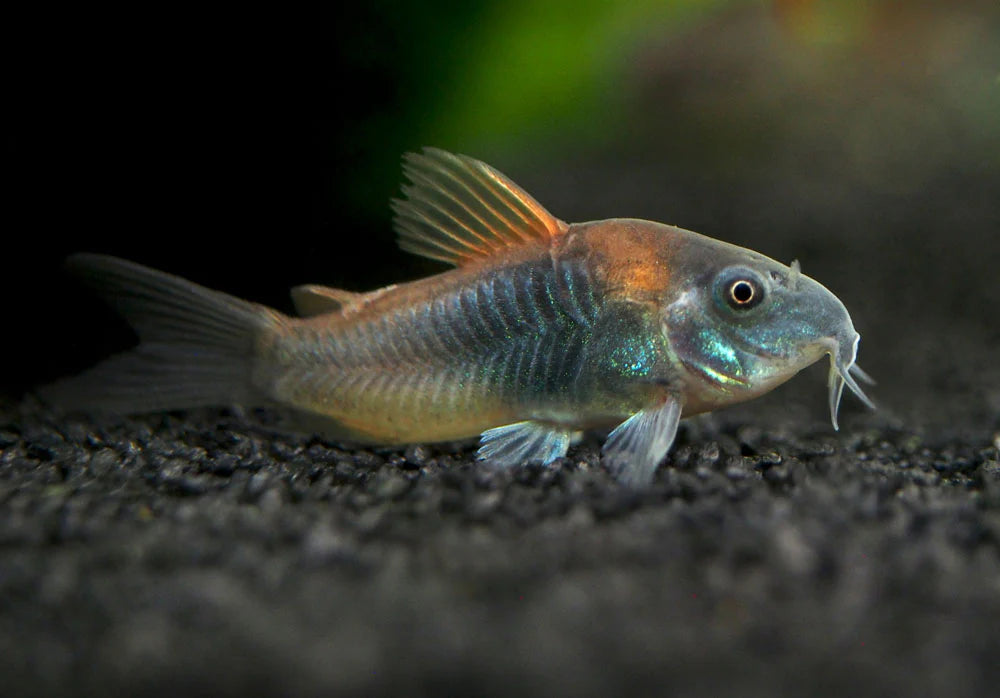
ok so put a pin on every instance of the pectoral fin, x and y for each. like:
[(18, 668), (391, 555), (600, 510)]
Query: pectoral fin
[(522, 443), (637, 445)]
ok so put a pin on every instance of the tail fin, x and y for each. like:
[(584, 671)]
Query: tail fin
[(196, 345)]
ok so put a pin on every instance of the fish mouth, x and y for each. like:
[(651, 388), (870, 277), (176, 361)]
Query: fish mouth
[(843, 352)]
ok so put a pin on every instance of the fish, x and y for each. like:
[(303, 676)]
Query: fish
[(540, 330)]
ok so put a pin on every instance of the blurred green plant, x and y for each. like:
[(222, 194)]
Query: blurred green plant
[(546, 71), (878, 91)]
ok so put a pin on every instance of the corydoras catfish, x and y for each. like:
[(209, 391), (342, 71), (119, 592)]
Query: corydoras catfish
[(541, 330)]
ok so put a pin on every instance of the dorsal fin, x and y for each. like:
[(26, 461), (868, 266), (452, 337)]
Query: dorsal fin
[(312, 300), (458, 209)]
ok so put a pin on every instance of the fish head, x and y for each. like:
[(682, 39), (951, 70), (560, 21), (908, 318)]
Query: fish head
[(742, 323)]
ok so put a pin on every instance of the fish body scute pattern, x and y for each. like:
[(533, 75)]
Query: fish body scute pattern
[(513, 342)]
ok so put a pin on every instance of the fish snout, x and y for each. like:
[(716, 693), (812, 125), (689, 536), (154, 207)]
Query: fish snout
[(834, 334)]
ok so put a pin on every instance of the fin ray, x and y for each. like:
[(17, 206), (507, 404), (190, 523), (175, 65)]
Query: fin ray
[(458, 210), (195, 350), (453, 229), (460, 213), (523, 442), (477, 195), (528, 216), (636, 446)]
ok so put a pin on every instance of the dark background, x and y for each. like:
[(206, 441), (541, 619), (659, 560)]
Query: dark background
[(250, 152), (253, 152)]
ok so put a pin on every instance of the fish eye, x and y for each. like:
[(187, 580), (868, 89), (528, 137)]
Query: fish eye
[(741, 289), (742, 293)]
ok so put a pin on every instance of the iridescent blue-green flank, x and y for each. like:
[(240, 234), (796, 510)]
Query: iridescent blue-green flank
[(538, 339)]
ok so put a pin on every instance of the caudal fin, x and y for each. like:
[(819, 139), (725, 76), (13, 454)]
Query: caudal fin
[(196, 345)]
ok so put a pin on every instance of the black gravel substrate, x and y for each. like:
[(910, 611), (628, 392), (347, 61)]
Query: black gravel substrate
[(207, 552)]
